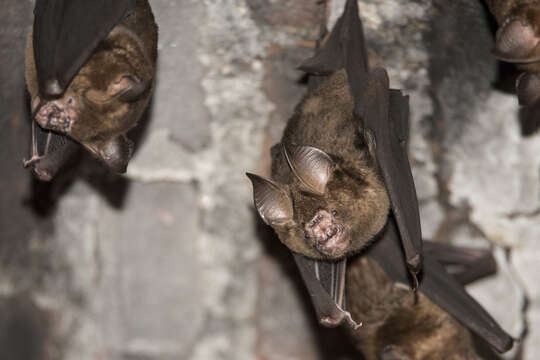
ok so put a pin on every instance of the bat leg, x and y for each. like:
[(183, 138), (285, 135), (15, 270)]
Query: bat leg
[(35, 155), (393, 352), (465, 264), (50, 152)]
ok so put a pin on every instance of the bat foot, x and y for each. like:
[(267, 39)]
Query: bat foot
[(33, 160), (42, 174)]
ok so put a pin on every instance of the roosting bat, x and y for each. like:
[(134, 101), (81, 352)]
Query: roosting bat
[(342, 185), (90, 68), (518, 41)]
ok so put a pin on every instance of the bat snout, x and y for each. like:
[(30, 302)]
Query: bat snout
[(53, 116), (327, 234)]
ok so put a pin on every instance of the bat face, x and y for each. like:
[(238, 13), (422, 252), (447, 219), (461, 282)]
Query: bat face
[(323, 204), (106, 97), (96, 110)]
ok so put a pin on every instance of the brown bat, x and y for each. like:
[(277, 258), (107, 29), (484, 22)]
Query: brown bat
[(90, 68), (518, 42), (342, 185)]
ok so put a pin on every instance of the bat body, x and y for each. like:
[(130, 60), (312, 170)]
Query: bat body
[(518, 42), (432, 323), (399, 324), (341, 185), (354, 203), (89, 81)]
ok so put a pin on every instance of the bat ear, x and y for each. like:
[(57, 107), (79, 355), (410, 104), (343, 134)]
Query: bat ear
[(272, 202), (129, 88), (312, 166), (115, 153), (516, 41), (528, 88)]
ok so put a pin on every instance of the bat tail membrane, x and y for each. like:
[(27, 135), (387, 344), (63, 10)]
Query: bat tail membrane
[(66, 33)]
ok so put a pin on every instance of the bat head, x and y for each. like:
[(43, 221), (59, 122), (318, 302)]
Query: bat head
[(101, 104), (326, 212)]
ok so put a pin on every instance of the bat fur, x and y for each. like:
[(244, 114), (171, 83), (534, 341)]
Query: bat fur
[(109, 93), (400, 324), (328, 198), (356, 198), (518, 42)]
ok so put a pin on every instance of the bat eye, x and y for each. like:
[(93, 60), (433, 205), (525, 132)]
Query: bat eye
[(334, 212), (70, 101)]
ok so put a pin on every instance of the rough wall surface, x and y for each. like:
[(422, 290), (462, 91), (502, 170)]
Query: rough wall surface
[(170, 261)]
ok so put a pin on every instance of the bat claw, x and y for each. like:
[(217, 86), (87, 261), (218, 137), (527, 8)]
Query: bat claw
[(34, 159), (415, 284)]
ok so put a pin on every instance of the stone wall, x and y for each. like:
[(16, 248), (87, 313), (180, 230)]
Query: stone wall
[(171, 261)]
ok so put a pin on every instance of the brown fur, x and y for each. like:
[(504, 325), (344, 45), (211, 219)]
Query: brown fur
[(103, 116), (395, 318), (355, 189)]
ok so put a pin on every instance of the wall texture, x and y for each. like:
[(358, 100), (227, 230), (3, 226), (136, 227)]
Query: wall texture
[(171, 262)]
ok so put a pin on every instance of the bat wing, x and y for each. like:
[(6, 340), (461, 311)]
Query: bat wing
[(66, 32), (50, 152), (439, 287), (325, 282), (384, 115), (385, 122), (466, 265)]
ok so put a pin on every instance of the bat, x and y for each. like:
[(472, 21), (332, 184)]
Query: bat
[(517, 41), (342, 186), (90, 69)]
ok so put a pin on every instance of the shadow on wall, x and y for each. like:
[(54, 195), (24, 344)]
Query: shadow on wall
[(23, 328)]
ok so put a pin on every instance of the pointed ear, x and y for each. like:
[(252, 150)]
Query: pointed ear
[(272, 202), (115, 152), (128, 88), (517, 42), (311, 166)]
